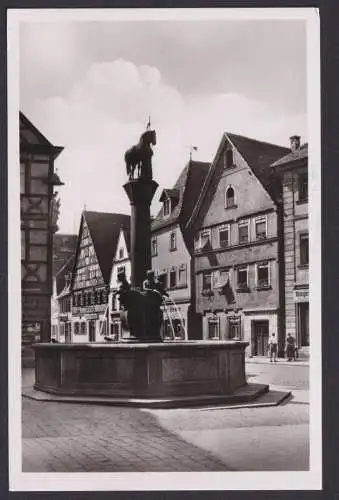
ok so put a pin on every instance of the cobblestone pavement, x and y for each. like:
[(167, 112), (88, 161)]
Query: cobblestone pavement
[(73, 438), (78, 438), (272, 438)]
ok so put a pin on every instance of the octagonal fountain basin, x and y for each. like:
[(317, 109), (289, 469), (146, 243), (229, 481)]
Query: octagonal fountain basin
[(145, 374)]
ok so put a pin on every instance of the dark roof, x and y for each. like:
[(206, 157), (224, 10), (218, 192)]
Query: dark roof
[(188, 186), (258, 155), (104, 229), (299, 154), (30, 136), (60, 277)]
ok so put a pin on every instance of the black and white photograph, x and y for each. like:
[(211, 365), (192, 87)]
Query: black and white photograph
[(164, 263)]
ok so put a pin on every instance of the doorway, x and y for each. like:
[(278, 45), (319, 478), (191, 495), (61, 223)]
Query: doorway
[(260, 332), (91, 330)]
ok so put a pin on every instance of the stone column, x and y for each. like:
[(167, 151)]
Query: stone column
[(140, 193)]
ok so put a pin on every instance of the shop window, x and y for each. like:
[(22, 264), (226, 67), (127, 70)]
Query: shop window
[(263, 275), (230, 197), (242, 275), (243, 232), (303, 187), (115, 330), (76, 328), (304, 250), (154, 246), (224, 236), (173, 241), (83, 328), (173, 277), (261, 228), (213, 328)]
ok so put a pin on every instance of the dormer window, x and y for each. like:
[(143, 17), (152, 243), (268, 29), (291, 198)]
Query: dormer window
[(167, 207)]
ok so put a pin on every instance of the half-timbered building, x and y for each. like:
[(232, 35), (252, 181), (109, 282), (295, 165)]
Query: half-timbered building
[(98, 236)]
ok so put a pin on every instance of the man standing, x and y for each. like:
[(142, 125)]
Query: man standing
[(273, 347), (290, 347)]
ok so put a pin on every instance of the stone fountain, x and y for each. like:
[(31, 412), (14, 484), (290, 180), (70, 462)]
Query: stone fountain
[(144, 371)]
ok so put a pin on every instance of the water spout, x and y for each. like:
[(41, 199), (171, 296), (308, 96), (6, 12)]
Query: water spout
[(181, 317)]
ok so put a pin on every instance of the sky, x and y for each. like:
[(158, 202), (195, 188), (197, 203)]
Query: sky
[(91, 86)]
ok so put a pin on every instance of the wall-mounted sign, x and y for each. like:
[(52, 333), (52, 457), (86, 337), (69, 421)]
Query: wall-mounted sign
[(89, 309), (301, 295)]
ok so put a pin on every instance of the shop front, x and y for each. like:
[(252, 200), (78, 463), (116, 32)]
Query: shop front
[(89, 323)]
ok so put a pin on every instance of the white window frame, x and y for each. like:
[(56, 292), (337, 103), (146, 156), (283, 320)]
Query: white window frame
[(173, 234), (214, 320), (242, 224), (223, 228), (235, 197), (258, 264), (242, 268), (199, 239), (261, 218)]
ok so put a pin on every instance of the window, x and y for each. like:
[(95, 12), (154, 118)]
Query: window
[(83, 328), (263, 275), (183, 275), (234, 327), (173, 278), (224, 236), (242, 278), (76, 328), (261, 228), (121, 253), (207, 281), (154, 246), (229, 198), (303, 186), (228, 159), (115, 330), (203, 240), (213, 327), (167, 207), (92, 298), (85, 299), (121, 269), (243, 232), (304, 257), (173, 242)]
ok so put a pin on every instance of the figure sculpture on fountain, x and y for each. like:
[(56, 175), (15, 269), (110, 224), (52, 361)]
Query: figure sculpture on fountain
[(140, 156)]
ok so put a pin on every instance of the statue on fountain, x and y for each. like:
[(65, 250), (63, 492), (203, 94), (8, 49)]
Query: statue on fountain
[(140, 155)]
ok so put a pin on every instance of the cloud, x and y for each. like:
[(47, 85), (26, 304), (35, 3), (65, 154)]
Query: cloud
[(107, 109)]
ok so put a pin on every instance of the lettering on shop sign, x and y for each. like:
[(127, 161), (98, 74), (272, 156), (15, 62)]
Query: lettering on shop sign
[(89, 309), (301, 295)]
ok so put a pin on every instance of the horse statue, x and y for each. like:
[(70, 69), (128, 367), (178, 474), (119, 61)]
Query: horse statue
[(140, 156)]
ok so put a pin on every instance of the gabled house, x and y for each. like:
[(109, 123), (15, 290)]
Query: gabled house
[(97, 241), (293, 171), (171, 245), (237, 258), (121, 263), (62, 303)]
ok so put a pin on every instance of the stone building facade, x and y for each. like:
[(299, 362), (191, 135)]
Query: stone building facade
[(171, 247), (293, 171), (237, 258)]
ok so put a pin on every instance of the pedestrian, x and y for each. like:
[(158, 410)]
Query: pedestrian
[(290, 347), (273, 347)]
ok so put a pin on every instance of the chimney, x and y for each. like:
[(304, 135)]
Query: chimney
[(295, 142)]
